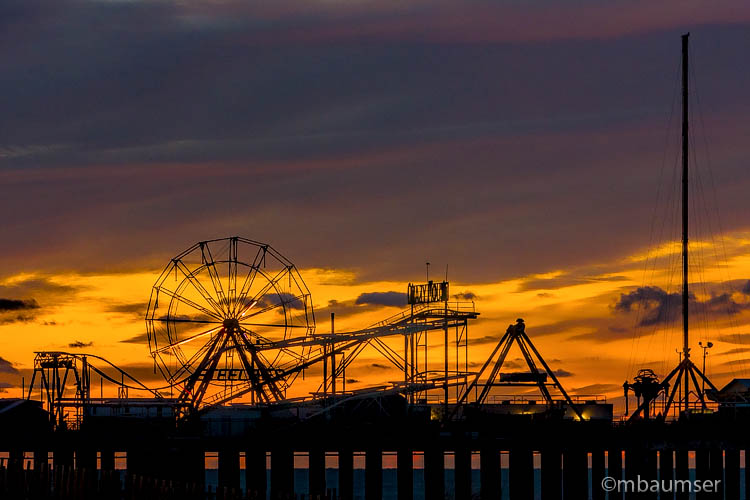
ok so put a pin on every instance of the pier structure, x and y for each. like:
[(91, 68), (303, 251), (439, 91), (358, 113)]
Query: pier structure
[(487, 455)]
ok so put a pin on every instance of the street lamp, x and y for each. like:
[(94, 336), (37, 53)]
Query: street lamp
[(705, 348)]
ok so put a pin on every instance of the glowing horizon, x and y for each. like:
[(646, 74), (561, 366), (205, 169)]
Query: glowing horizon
[(573, 320)]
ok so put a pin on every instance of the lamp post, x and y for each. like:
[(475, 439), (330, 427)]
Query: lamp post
[(705, 348)]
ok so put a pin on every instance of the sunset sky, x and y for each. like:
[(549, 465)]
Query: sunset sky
[(531, 147)]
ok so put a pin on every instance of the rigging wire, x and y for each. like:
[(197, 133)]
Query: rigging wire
[(639, 309), (722, 261), (707, 298)]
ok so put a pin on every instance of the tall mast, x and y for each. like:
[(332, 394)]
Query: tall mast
[(685, 151)]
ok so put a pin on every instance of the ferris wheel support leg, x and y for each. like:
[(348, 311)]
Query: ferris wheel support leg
[(189, 393), (209, 374), (250, 368), (266, 378)]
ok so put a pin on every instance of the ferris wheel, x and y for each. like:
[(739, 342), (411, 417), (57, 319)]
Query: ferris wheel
[(217, 313)]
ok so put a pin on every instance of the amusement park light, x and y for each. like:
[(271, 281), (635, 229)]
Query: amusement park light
[(172, 346), (245, 311)]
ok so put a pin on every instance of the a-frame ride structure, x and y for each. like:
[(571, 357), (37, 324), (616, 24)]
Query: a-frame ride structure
[(535, 377)]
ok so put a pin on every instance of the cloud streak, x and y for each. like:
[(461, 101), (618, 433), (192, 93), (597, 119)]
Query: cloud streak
[(7, 367), (390, 299), (656, 306), (80, 345)]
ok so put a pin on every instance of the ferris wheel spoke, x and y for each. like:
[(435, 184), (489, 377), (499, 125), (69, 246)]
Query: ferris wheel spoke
[(242, 304), (188, 364), (232, 278), (246, 333), (250, 278), (268, 286), (262, 358), (181, 320), (273, 325), (208, 260), (189, 339), (271, 284), (274, 306), (190, 303), (199, 287)]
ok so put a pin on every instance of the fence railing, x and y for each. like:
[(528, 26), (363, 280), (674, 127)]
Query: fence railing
[(67, 483), (521, 399)]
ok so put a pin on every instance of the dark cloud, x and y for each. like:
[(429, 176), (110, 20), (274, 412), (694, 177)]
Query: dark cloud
[(746, 288), (16, 318), (37, 286), (80, 345), (660, 306), (564, 280), (141, 338), (733, 362), (25, 310), (328, 129), (17, 305), (341, 308), (4, 386), (562, 373), (393, 299), (133, 308), (736, 350), (345, 308), (656, 306), (515, 364), (487, 339), (599, 329), (619, 330), (591, 329), (467, 295), (738, 338), (352, 381), (380, 366), (604, 333), (284, 299), (183, 317), (144, 372), (7, 367), (597, 389)]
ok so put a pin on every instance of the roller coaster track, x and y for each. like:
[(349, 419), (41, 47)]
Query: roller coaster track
[(421, 318)]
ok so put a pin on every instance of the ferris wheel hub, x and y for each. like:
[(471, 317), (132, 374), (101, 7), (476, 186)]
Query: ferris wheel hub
[(231, 324)]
